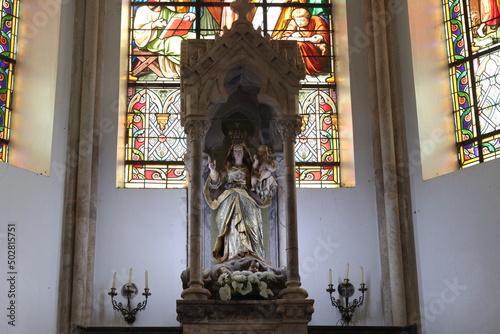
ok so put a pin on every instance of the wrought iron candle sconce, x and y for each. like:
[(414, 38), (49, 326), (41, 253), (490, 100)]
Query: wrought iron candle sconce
[(129, 291), (346, 290)]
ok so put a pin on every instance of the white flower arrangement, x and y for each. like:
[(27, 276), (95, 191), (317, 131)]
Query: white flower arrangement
[(244, 282)]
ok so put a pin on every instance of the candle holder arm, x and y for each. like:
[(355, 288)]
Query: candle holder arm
[(128, 312)]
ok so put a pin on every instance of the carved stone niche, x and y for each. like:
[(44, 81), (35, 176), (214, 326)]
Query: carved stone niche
[(245, 78), (242, 78)]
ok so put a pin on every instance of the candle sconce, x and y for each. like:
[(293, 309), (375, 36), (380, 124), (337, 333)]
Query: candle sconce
[(346, 291), (129, 291)]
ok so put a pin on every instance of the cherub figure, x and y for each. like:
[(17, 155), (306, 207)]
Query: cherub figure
[(254, 266), (263, 167)]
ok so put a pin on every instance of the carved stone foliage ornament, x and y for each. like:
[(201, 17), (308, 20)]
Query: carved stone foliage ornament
[(196, 128), (289, 128)]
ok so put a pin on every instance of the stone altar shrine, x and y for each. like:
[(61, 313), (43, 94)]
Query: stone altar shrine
[(246, 81)]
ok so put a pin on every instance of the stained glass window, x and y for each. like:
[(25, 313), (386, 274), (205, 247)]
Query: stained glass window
[(155, 140), (8, 49), (473, 40)]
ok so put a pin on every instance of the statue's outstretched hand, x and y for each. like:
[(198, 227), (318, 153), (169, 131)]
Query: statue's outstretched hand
[(211, 165)]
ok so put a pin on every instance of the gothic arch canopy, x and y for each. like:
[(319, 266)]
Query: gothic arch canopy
[(240, 74)]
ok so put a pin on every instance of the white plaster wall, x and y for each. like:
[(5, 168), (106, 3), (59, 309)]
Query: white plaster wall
[(456, 221), (455, 215), (337, 229), (34, 202), (33, 205)]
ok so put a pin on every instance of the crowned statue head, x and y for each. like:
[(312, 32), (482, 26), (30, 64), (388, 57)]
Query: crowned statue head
[(238, 152)]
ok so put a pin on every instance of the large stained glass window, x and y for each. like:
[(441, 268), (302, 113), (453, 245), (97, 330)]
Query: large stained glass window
[(7, 63), (155, 140), (473, 39)]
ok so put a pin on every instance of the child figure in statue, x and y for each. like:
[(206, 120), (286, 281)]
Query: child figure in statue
[(263, 181), (254, 267), (238, 216)]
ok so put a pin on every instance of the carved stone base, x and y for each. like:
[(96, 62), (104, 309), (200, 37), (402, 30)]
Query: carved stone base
[(245, 316)]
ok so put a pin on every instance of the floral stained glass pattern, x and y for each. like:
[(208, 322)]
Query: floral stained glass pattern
[(155, 152), (316, 149), (8, 43), (473, 39), (155, 135)]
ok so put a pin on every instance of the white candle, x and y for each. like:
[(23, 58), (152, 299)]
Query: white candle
[(146, 278), (347, 271), (329, 276), (362, 276), (130, 277), (114, 281)]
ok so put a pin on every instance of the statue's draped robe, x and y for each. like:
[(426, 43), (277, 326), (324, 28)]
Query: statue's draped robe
[(238, 216)]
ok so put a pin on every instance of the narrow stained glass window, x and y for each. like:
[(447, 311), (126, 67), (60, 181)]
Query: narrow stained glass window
[(473, 40), (155, 140), (8, 41), (316, 149)]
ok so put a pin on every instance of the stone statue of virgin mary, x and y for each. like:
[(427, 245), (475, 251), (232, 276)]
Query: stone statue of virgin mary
[(238, 216)]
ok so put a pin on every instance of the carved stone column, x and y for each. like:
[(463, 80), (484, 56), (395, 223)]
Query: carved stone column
[(196, 128), (397, 246), (76, 276), (289, 128), (281, 212)]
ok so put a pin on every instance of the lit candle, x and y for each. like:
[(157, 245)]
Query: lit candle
[(114, 281), (347, 271), (130, 277), (362, 276), (146, 279), (329, 276)]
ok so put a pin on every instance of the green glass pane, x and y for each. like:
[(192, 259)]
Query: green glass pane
[(491, 147)]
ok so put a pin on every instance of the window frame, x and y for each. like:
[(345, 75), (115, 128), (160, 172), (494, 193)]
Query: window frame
[(345, 155), (471, 141)]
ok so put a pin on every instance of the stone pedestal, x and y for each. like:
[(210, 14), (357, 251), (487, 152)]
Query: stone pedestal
[(281, 316)]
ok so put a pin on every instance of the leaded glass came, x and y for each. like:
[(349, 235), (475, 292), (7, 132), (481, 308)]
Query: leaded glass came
[(473, 40), (155, 140), (8, 47), (316, 149)]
